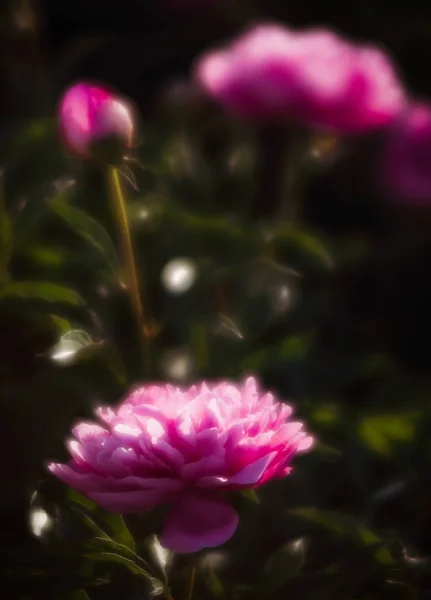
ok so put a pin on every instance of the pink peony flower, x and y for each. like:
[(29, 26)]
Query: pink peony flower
[(406, 161), (185, 448), (191, 4), (89, 113), (272, 72)]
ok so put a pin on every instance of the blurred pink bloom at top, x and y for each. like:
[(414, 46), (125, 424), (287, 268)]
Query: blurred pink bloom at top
[(193, 4), (185, 448), (273, 72), (406, 164), (89, 113)]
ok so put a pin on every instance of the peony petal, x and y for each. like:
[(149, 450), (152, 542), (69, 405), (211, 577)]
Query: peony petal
[(77, 452), (305, 444), (167, 453), (212, 70), (198, 521), (88, 432), (83, 482), (252, 473), (126, 432), (137, 501), (251, 386), (213, 481), (208, 465), (105, 414)]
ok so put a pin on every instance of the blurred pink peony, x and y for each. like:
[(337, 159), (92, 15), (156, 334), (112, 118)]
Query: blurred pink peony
[(186, 448), (192, 4), (273, 72), (406, 161), (89, 113)]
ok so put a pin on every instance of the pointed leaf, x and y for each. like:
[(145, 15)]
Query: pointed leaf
[(250, 494), (41, 290), (305, 243), (215, 584), (114, 529), (347, 527), (283, 565), (291, 350), (89, 230), (383, 432), (122, 560), (118, 530)]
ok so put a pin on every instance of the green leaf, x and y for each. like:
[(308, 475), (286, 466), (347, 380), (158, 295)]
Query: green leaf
[(212, 234), (5, 238), (346, 527), (215, 584), (209, 225), (116, 531), (199, 342), (116, 546), (382, 432), (292, 349), (49, 257), (251, 495), (122, 560), (306, 243), (41, 290), (283, 565), (29, 221), (326, 413), (90, 231), (37, 131), (107, 544), (61, 325), (77, 498)]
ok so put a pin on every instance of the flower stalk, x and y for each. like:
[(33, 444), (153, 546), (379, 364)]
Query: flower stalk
[(128, 257), (191, 585)]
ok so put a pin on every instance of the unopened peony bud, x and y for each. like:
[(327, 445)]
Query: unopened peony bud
[(90, 115)]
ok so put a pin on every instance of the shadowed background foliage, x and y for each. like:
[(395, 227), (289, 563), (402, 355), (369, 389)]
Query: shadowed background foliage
[(333, 312)]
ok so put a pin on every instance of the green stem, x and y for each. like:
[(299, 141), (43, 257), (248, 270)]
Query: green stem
[(199, 343), (293, 178), (120, 215), (191, 582), (271, 163), (167, 594)]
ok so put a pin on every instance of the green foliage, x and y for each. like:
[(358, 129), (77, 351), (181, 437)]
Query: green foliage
[(41, 290), (346, 527), (90, 231)]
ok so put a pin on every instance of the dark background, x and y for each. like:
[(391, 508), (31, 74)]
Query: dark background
[(353, 351)]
